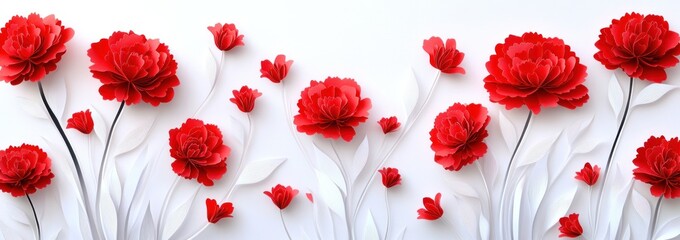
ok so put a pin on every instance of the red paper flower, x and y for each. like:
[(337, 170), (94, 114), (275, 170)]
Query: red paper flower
[(31, 47), (24, 169), (433, 209), (81, 121), (245, 98), (310, 197), (642, 46), (226, 36), (276, 71), (389, 125), (446, 58), (570, 227), (332, 108), (132, 68), (537, 72), (217, 212), (282, 196), (390, 177), (198, 151), (458, 135), (658, 164), (588, 174)]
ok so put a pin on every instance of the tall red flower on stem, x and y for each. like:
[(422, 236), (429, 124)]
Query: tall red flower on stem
[(199, 151), (226, 36), (389, 125), (332, 108), (245, 98), (432, 208), (24, 169), (658, 164), (390, 177), (642, 46), (81, 121), (31, 47), (281, 196), (276, 71), (589, 174), (216, 212), (446, 58), (458, 135), (570, 226)]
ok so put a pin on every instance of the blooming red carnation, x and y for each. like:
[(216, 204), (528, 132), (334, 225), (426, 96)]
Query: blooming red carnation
[(332, 108), (281, 196), (446, 58), (245, 98), (570, 227), (81, 121), (226, 36), (24, 169), (588, 174), (458, 135), (537, 72), (217, 212), (31, 47), (198, 151), (390, 177), (658, 164), (433, 208), (389, 125), (276, 71), (642, 46), (132, 68)]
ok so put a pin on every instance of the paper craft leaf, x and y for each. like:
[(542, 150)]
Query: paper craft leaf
[(615, 95), (370, 230), (409, 90), (257, 171), (652, 93), (330, 194), (508, 130)]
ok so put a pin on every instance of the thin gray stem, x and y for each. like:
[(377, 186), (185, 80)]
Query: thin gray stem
[(505, 180), (103, 164), (284, 225), (655, 219), (35, 216)]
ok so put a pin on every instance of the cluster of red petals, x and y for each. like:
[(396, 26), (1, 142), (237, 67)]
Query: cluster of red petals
[(458, 135), (589, 174), (642, 46), (658, 164), (537, 72), (24, 169), (217, 212), (276, 71), (282, 196), (198, 151), (81, 121), (432, 208), (245, 98), (332, 108), (390, 177), (446, 58), (226, 36), (570, 227), (31, 47), (389, 125)]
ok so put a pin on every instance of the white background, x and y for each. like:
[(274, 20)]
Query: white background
[(374, 42)]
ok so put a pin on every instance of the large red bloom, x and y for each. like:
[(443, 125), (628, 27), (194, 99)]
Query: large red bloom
[(537, 72), (81, 121), (446, 58), (24, 169), (570, 227), (245, 98), (332, 108), (390, 177), (658, 164), (458, 135), (642, 46), (198, 151), (226, 36), (281, 196), (432, 208), (217, 212), (30, 47), (133, 68), (276, 71)]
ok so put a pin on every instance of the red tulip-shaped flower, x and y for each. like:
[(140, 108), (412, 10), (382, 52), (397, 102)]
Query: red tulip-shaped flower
[(226, 36), (276, 71), (589, 174), (389, 125), (658, 164), (570, 227), (433, 209), (458, 135), (199, 151), (245, 98), (446, 58), (81, 121), (24, 169), (281, 196), (390, 177), (217, 212)]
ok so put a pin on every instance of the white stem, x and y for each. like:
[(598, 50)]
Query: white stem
[(289, 120), (348, 188), (284, 225), (453, 226), (164, 208), (199, 232), (387, 206), (590, 212), (488, 193), (214, 84)]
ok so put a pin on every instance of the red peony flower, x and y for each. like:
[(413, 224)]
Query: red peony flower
[(30, 48), (226, 36), (245, 98), (642, 46), (389, 125), (537, 72), (332, 108), (24, 169), (217, 212), (458, 135), (433, 209), (198, 151), (390, 177), (570, 227), (658, 164), (282, 196), (133, 68), (276, 71), (446, 58), (81, 121), (589, 174)]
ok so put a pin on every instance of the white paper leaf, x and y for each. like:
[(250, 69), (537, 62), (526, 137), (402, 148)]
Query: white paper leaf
[(360, 158), (483, 227), (210, 67), (461, 188), (133, 184), (537, 151), (576, 132), (508, 130), (147, 230), (115, 191), (100, 125), (330, 194), (615, 95), (108, 213), (58, 97), (641, 206), (135, 137), (176, 217), (586, 146), (401, 234), (257, 171), (32, 107), (370, 230), (561, 206), (238, 129), (670, 230), (409, 92), (327, 165), (652, 93)]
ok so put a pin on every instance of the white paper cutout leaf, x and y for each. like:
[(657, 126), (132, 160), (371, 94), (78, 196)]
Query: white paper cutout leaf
[(32, 107), (135, 137), (586, 146), (327, 165), (401, 234), (257, 171), (577, 132), (652, 93), (57, 97), (561, 206), (176, 217), (100, 125), (69, 207), (641, 206), (133, 182), (483, 228), (211, 67), (537, 151), (462, 188), (360, 158), (330, 194), (115, 190), (508, 130), (370, 230), (108, 213), (147, 230), (238, 128), (558, 157), (615, 95), (670, 230), (409, 92)]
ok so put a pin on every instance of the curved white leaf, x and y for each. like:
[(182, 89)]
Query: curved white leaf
[(257, 171), (176, 217), (330, 194), (108, 216), (483, 228), (576, 132), (537, 151), (327, 165), (370, 230), (32, 107), (586, 146), (462, 188), (58, 97), (147, 231), (508, 130), (615, 95), (560, 207), (670, 230), (100, 125), (652, 93), (409, 92), (401, 234), (360, 158), (114, 186), (134, 138), (641, 206)]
